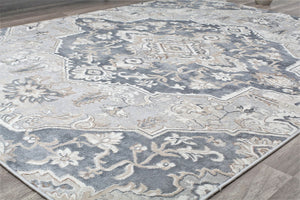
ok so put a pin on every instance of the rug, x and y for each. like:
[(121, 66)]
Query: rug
[(158, 100)]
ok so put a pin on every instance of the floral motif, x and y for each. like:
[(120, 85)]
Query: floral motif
[(6, 150), (139, 148), (91, 73), (65, 157), (195, 154), (165, 164), (31, 138), (29, 90), (222, 76), (175, 139), (149, 122), (89, 98), (105, 141)]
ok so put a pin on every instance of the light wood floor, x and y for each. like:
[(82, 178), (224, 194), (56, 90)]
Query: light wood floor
[(275, 178)]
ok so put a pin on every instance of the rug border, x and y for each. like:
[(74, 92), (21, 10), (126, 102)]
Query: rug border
[(210, 194), (246, 169)]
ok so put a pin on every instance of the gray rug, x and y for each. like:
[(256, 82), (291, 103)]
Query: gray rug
[(160, 100)]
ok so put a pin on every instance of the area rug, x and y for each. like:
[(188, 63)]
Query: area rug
[(158, 100)]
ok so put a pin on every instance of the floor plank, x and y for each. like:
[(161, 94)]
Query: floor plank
[(259, 183), (34, 14), (12, 188), (298, 174), (289, 191), (289, 159)]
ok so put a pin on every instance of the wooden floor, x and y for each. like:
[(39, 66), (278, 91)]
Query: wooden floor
[(51, 11), (275, 178)]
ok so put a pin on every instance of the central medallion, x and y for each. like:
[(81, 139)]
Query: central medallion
[(176, 57)]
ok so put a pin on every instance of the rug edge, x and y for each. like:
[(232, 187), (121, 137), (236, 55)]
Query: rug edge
[(252, 165), (27, 183)]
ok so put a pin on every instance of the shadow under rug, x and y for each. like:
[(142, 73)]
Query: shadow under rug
[(158, 100)]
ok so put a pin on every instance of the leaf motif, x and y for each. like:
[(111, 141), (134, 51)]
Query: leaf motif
[(92, 138), (195, 154), (39, 162), (220, 157), (129, 170), (192, 155), (188, 153), (142, 188), (190, 143), (154, 147)]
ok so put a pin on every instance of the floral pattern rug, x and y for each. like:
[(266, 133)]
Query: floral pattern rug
[(159, 100)]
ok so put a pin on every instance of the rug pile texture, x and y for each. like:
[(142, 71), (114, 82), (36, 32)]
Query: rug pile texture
[(158, 100)]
